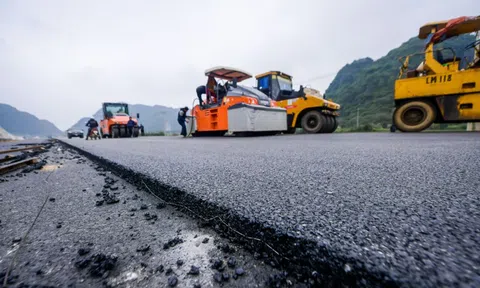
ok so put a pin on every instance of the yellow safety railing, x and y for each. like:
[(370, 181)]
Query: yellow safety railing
[(405, 62)]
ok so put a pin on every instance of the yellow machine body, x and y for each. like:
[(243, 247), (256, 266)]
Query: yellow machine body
[(306, 108), (439, 90)]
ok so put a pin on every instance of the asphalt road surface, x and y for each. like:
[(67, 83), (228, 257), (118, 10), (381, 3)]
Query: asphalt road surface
[(401, 207), (96, 230)]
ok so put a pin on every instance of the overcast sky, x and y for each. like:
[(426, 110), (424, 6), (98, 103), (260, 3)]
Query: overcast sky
[(59, 59)]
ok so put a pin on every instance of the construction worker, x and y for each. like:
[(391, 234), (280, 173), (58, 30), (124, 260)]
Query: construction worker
[(130, 125), (208, 90), (182, 118), (92, 123), (201, 90)]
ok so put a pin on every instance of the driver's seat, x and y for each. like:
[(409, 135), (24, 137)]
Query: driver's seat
[(441, 60)]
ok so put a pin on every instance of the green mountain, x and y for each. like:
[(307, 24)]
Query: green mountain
[(24, 124), (368, 85)]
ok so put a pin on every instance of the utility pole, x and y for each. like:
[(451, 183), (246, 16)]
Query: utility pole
[(357, 117)]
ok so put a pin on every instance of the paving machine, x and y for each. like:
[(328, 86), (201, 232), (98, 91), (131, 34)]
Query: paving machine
[(441, 89), (306, 108), (115, 119), (233, 108)]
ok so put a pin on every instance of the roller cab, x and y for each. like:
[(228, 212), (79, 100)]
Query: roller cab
[(306, 108)]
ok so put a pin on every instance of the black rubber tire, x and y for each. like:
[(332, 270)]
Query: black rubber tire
[(332, 124), (335, 124), (424, 111), (313, 122), (115, 133), (329, 124), (393, 128)]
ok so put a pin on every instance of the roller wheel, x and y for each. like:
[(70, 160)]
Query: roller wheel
[(329, 124), (313, 122), (414, 116), (115, 132), (334, 124)]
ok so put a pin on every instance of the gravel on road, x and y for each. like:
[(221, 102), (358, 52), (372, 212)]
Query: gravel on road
[(97, 230), (401, 208)]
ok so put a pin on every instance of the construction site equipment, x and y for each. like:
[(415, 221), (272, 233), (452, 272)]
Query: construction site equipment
[(440, 89), (115, 119), (307, 108), (234, 108)]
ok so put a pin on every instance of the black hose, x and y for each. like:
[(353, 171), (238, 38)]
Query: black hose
[(191, 125)]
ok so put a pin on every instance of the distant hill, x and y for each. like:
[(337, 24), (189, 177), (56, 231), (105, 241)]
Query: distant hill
[(368, 85), (24, 124), (154, 118)]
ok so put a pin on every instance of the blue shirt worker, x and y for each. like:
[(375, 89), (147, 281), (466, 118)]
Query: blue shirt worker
[(130, 125), (182, 117)]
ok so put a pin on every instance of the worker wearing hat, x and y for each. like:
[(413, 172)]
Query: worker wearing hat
[(182, 118)]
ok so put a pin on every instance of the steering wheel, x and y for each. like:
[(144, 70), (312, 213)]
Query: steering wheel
[(473, 44)]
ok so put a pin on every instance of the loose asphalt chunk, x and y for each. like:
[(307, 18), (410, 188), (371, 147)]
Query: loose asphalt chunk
[(83, 251), (172, 281), (172, 243), (194, 270)]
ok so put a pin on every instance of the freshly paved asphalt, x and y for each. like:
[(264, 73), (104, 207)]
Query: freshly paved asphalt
[(71, 220), (407, 205)]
